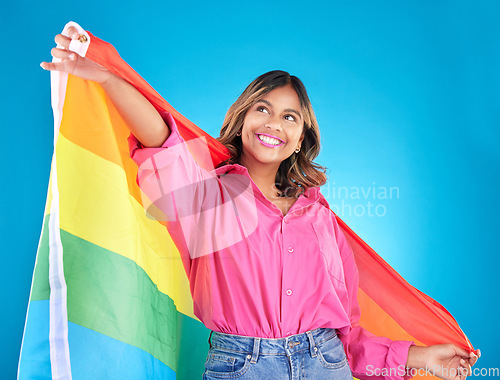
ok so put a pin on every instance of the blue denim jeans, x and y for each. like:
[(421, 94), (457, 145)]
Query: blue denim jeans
[(316, 354)]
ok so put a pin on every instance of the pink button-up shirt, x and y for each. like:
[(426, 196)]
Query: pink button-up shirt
[(253, 271)]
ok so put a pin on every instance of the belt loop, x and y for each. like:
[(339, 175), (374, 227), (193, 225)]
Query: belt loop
[(255, 354), (312, 345), (210, 343)]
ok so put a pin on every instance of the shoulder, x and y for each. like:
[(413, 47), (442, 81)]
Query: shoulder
[(230, 169), (314, 195), (234, 178)]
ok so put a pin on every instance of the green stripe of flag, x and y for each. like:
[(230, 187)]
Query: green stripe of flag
[(40, 288), (111, 294)]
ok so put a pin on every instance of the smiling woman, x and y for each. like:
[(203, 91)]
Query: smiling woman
[(277, 284), (269, 137), (275, 105)]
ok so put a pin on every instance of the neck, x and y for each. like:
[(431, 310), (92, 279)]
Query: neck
[(264, 176)]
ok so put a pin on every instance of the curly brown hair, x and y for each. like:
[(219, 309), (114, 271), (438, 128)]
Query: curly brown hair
[(298, 172)]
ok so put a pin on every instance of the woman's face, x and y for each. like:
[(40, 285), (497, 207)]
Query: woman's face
[(272, 129)]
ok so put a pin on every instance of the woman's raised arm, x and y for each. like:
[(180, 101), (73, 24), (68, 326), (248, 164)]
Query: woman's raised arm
[(144, 121)]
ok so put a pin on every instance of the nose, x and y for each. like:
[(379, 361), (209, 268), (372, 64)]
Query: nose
[(274, 123)]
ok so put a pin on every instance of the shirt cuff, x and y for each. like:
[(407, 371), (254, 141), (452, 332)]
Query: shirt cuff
[(397, 358), (140, 153)]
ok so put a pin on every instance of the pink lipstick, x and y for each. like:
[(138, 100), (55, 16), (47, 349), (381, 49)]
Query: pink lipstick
[(267, 144)]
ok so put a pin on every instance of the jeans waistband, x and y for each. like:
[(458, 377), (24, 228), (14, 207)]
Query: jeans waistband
[(256, 346)]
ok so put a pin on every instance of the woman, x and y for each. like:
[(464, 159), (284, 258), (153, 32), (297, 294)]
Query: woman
[(270, 271)]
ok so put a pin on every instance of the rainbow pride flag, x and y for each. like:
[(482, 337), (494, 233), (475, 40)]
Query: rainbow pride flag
[(110, 298)]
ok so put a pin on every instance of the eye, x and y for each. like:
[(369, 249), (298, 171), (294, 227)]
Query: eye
[(290, 118), (262, 108)]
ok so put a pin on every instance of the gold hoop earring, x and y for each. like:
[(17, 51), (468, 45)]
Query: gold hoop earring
[(238, 134)]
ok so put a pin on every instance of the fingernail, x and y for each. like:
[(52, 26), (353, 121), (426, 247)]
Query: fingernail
[(74, 35), (72, 56)]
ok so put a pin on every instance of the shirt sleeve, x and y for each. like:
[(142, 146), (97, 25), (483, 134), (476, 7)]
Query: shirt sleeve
[(175, 189), (369, 356)]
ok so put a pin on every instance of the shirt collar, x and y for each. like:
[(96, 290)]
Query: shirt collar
[(313, 194)]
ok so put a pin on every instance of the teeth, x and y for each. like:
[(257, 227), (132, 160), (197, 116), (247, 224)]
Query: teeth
[(269, 140)]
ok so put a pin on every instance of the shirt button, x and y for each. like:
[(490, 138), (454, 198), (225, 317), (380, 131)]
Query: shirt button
[(285, 220), (290, 249), (289, 292), (288, 333)]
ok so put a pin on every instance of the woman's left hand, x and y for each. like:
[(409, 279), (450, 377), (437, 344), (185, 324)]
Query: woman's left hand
[(450, 362)]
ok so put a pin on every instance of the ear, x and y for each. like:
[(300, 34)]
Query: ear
[(303, 135)]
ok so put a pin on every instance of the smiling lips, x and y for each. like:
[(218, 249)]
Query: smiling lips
[(269, 141)]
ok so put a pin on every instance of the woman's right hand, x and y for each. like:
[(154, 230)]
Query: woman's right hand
[(73, 63), (141, 117)]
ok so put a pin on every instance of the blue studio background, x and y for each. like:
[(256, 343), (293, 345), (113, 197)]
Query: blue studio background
[(406, 95)]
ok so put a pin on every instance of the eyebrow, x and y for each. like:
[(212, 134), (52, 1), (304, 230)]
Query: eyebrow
[(286, 110)]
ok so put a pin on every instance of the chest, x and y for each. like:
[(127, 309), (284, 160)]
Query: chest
[(284, 204), (301, 245)]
